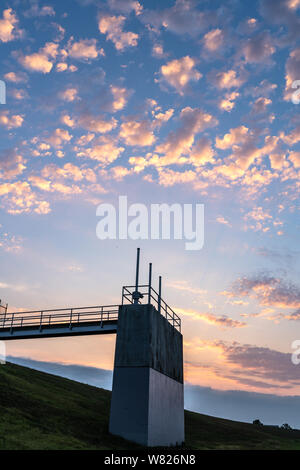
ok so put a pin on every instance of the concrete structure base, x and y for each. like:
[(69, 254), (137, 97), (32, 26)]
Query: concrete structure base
[(147, 407), (147, 404)]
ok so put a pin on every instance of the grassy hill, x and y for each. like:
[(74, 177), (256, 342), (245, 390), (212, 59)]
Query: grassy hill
[(43, 411)]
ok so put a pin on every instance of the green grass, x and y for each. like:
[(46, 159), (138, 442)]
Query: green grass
[(42, 411)]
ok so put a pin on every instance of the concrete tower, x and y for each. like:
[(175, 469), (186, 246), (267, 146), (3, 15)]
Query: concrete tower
[(147, 398)]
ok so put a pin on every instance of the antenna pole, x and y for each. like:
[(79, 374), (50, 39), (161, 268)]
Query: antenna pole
[(137, 269), (150, 281), (136, 296), (159, 295)]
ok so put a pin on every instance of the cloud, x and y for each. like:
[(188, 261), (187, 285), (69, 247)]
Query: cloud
[(268, 290), (260, 105), (292, 138), (264, 88), (96, 124), (236, 136), (186, 287), (84, 49), (16, 77), (168, 177), (179, 72), (112, 26), (10, 243), (202, 152), (69, 94), (244, 365), (12, 121), (282, 12), (67, 120), (213, 40), (182, 18), (36, 10), (120, 97), (104, 150), (126, 6), (260, 217), (138, 133), (220, 321), (12, 163), (228, 102), (228, 79), (286, 257), (68, 180), (59, 137), (292, 69), (9, 26), (295, 158), (118, 173), (179, 143), (41, 61), (245, 149), (223, 221), (158, 51), (61, 67), (59, 32), (85, 139), (278, 161), (49, 186), (258, 48), (18, 198), (69, 171), (18, 94), (161, 117), (261, 362)]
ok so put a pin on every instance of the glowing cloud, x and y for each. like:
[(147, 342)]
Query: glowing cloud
[(112, 26), (179, 72), (8, 26), (41, 61)]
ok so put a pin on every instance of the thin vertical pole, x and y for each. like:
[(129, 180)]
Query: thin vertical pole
[(137, 270), (150, 282), (159, 295), (5, 313)]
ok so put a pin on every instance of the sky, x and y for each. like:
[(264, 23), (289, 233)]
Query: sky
[(164, 102)]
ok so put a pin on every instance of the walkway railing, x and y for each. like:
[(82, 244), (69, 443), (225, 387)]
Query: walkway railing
[(150, 296), (67, 317), (3, 308)]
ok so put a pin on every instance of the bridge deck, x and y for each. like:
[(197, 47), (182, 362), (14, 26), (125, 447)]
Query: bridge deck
[(59, 322)]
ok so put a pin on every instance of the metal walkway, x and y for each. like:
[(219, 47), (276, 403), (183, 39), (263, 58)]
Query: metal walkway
[(79, 321), (83, 320), (59, 322)]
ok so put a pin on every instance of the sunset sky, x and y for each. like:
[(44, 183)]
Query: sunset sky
[(164, 102)]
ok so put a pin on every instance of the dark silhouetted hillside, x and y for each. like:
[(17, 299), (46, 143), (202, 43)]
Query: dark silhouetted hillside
[(43, 411)]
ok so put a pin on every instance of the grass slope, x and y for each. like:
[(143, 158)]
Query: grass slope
[(42, 411)]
